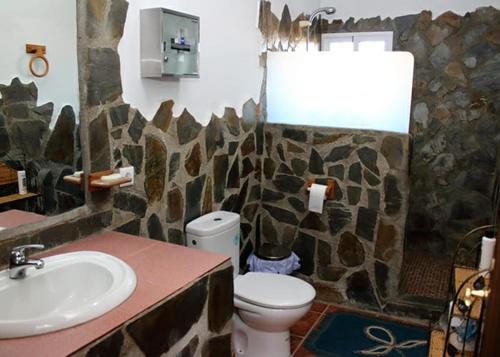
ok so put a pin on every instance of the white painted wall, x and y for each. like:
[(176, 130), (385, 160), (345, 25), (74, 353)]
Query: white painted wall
[(392, 8), (230, 73), (296, 7), (47, 22)]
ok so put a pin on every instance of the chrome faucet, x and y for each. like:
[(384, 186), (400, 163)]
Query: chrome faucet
[(18, 262)]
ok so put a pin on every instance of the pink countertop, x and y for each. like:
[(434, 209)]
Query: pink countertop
[(14, 218), (161, 269)]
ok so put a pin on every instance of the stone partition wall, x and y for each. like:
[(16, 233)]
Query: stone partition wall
[(353, 250), (454, 123), (47, 155), (184, 170), (194, 322)]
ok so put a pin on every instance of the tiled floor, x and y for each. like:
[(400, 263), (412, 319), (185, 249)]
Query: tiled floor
[(303, 328), (425, 275)]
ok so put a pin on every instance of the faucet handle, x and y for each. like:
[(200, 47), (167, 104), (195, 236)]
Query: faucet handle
[(17, 255), (22, 248), (18, 263)]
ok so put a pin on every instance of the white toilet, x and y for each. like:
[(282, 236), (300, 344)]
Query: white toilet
[(266, 305)]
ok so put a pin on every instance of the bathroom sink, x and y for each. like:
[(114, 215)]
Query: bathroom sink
[(71, 289)]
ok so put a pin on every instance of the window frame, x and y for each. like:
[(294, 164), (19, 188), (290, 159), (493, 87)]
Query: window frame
[(357, 37)]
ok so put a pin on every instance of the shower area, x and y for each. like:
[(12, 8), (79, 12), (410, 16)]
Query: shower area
[(409, 185)]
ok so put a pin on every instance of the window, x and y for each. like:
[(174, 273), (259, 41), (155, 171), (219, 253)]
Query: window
[(357, 90), (357, 41)]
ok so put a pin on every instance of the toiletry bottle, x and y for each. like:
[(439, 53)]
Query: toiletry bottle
[(21, 182), (487, 251)]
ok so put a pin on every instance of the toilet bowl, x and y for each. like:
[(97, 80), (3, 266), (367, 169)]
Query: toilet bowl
[(266, 305)]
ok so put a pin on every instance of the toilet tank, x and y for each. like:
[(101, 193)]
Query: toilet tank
[(217, 232)]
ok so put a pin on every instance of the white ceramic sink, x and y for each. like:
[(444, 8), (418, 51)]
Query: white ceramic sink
[(71, 289)]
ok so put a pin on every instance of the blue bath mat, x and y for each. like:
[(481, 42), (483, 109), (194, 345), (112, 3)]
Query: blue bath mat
[(343, 334)]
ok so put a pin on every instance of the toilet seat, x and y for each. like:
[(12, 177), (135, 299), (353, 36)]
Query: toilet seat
[(273, 291)]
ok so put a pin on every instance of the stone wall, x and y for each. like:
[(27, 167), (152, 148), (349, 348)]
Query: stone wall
[(194, 322), (455, 119), (354, 249), (183, 170), (454, 122), (27, 143)]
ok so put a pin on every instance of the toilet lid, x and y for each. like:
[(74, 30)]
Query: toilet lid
[(273, 290)]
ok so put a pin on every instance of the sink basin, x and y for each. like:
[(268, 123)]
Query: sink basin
[(71, 289)]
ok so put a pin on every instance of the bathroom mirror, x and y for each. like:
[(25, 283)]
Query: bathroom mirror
[(39, 111)]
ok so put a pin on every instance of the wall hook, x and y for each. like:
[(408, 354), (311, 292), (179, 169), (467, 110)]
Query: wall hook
[(38, 52)]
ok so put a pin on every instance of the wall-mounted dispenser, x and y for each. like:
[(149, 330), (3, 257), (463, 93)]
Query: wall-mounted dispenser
[(169, 44)]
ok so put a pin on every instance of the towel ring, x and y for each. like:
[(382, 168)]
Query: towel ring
[(38, 52), (44, 60)]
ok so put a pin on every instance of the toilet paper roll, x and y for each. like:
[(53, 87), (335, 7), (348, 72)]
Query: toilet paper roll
[(487, 252), (317, 197)]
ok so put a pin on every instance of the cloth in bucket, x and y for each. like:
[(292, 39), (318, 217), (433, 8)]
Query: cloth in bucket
[(284, 266)]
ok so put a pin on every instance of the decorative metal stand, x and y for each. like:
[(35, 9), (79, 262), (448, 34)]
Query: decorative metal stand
[(468, 299)]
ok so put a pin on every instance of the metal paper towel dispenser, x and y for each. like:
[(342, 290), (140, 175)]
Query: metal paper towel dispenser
[(169, 44)]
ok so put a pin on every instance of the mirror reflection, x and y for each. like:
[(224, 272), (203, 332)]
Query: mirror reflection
[(39, 107)]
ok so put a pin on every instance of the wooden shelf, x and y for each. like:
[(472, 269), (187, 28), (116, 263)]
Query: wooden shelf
[(97, 184), (16, 197), (461, 274), (7, 175), (95, 181), (436, 344)]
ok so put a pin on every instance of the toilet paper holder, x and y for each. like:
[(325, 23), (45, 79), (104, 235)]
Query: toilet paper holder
[(330, 188)]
